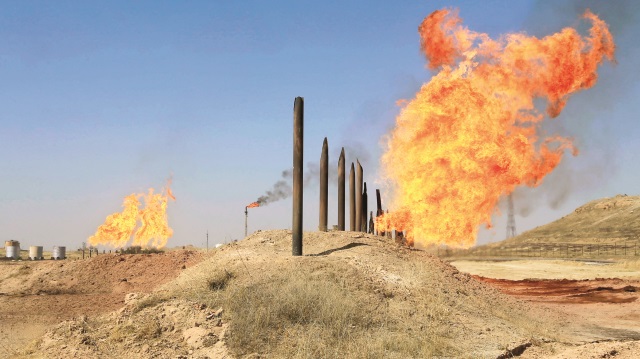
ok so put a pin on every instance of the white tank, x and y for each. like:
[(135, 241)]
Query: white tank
[(12, 249), (35, 253), (59, 252)]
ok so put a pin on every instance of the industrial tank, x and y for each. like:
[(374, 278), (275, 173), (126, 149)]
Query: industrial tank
[(12, 249), (35, 253), (59, 252)]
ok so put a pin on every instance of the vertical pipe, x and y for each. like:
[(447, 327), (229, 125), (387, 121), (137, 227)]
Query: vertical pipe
[(379, 211), (352, 199), (365, 200), (371, 224), (359, 182), (298, 139), (378, 203), (341, 191), (246, 215), (324, 186)]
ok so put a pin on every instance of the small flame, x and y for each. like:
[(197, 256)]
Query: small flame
[(471, 135), (153, 231), (253, 205)]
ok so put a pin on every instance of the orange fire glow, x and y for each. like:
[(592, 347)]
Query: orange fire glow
[(153, 231), (253, 205), (472, 134)]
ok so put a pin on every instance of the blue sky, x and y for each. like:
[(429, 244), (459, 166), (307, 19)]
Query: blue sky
[(99, 100)]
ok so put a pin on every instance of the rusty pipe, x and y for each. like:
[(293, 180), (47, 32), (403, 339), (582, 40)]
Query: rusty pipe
[(298, 142), (352, 199), (324, 186), (341, 191)]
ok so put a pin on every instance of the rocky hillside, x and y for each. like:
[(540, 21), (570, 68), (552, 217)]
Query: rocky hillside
[(603, 221)]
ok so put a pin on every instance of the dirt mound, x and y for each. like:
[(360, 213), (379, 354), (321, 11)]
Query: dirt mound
[(143, 328), (34, 295), (351, 295), (604, 221)]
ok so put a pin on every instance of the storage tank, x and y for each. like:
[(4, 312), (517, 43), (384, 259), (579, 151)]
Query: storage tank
[(35, 253), (12, 249), (59, 252)]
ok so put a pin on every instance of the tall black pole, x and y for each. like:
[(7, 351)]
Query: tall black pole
[(365, 199), (352, 199), (341, 191), (379, 211), (298, 138), (324, 186), (359, 197)]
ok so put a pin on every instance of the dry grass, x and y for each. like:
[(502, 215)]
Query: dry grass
[(364, 299), (320, 311), (628, 264)]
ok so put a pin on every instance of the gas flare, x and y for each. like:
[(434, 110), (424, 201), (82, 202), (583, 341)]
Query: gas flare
[(153, 229), (253, 205), (472, 133)]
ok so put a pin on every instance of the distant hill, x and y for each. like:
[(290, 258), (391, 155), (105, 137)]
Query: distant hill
[(603, 221)]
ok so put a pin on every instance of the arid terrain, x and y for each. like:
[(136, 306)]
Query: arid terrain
[(351, 295), (601, 298), (35, 295), (606, 221)]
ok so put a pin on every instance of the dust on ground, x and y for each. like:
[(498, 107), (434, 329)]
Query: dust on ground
[(599, 298), (160, 306), (547, 269), (34, 295), (404, 297)]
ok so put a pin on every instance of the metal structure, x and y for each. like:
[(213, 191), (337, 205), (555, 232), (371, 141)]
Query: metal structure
[(298, 142), (359, 183), (60, 252), (352, 199), (12, 249), (35, 253), (511, 221), (365, 200), (246, 217), (324, 187), (341, 202)]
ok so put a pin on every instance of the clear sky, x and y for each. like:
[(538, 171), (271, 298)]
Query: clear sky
[(99, 100)]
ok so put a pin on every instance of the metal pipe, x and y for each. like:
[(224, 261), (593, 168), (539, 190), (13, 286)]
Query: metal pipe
[(359, 182), (341, 191), (379, 211), (352, 199), (298, 142), (324, 186), (363, 220), (246, 215)]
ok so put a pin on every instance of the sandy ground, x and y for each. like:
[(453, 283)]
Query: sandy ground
[(600, 301), (35, 295), (546, 269), (594, 318)]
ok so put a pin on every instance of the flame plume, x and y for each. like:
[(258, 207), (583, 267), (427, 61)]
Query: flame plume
[(472, 133), (253, 205), (153, 231)]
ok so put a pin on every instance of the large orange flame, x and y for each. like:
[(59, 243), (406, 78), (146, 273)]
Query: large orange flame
[(153, 231), (472, 133)]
